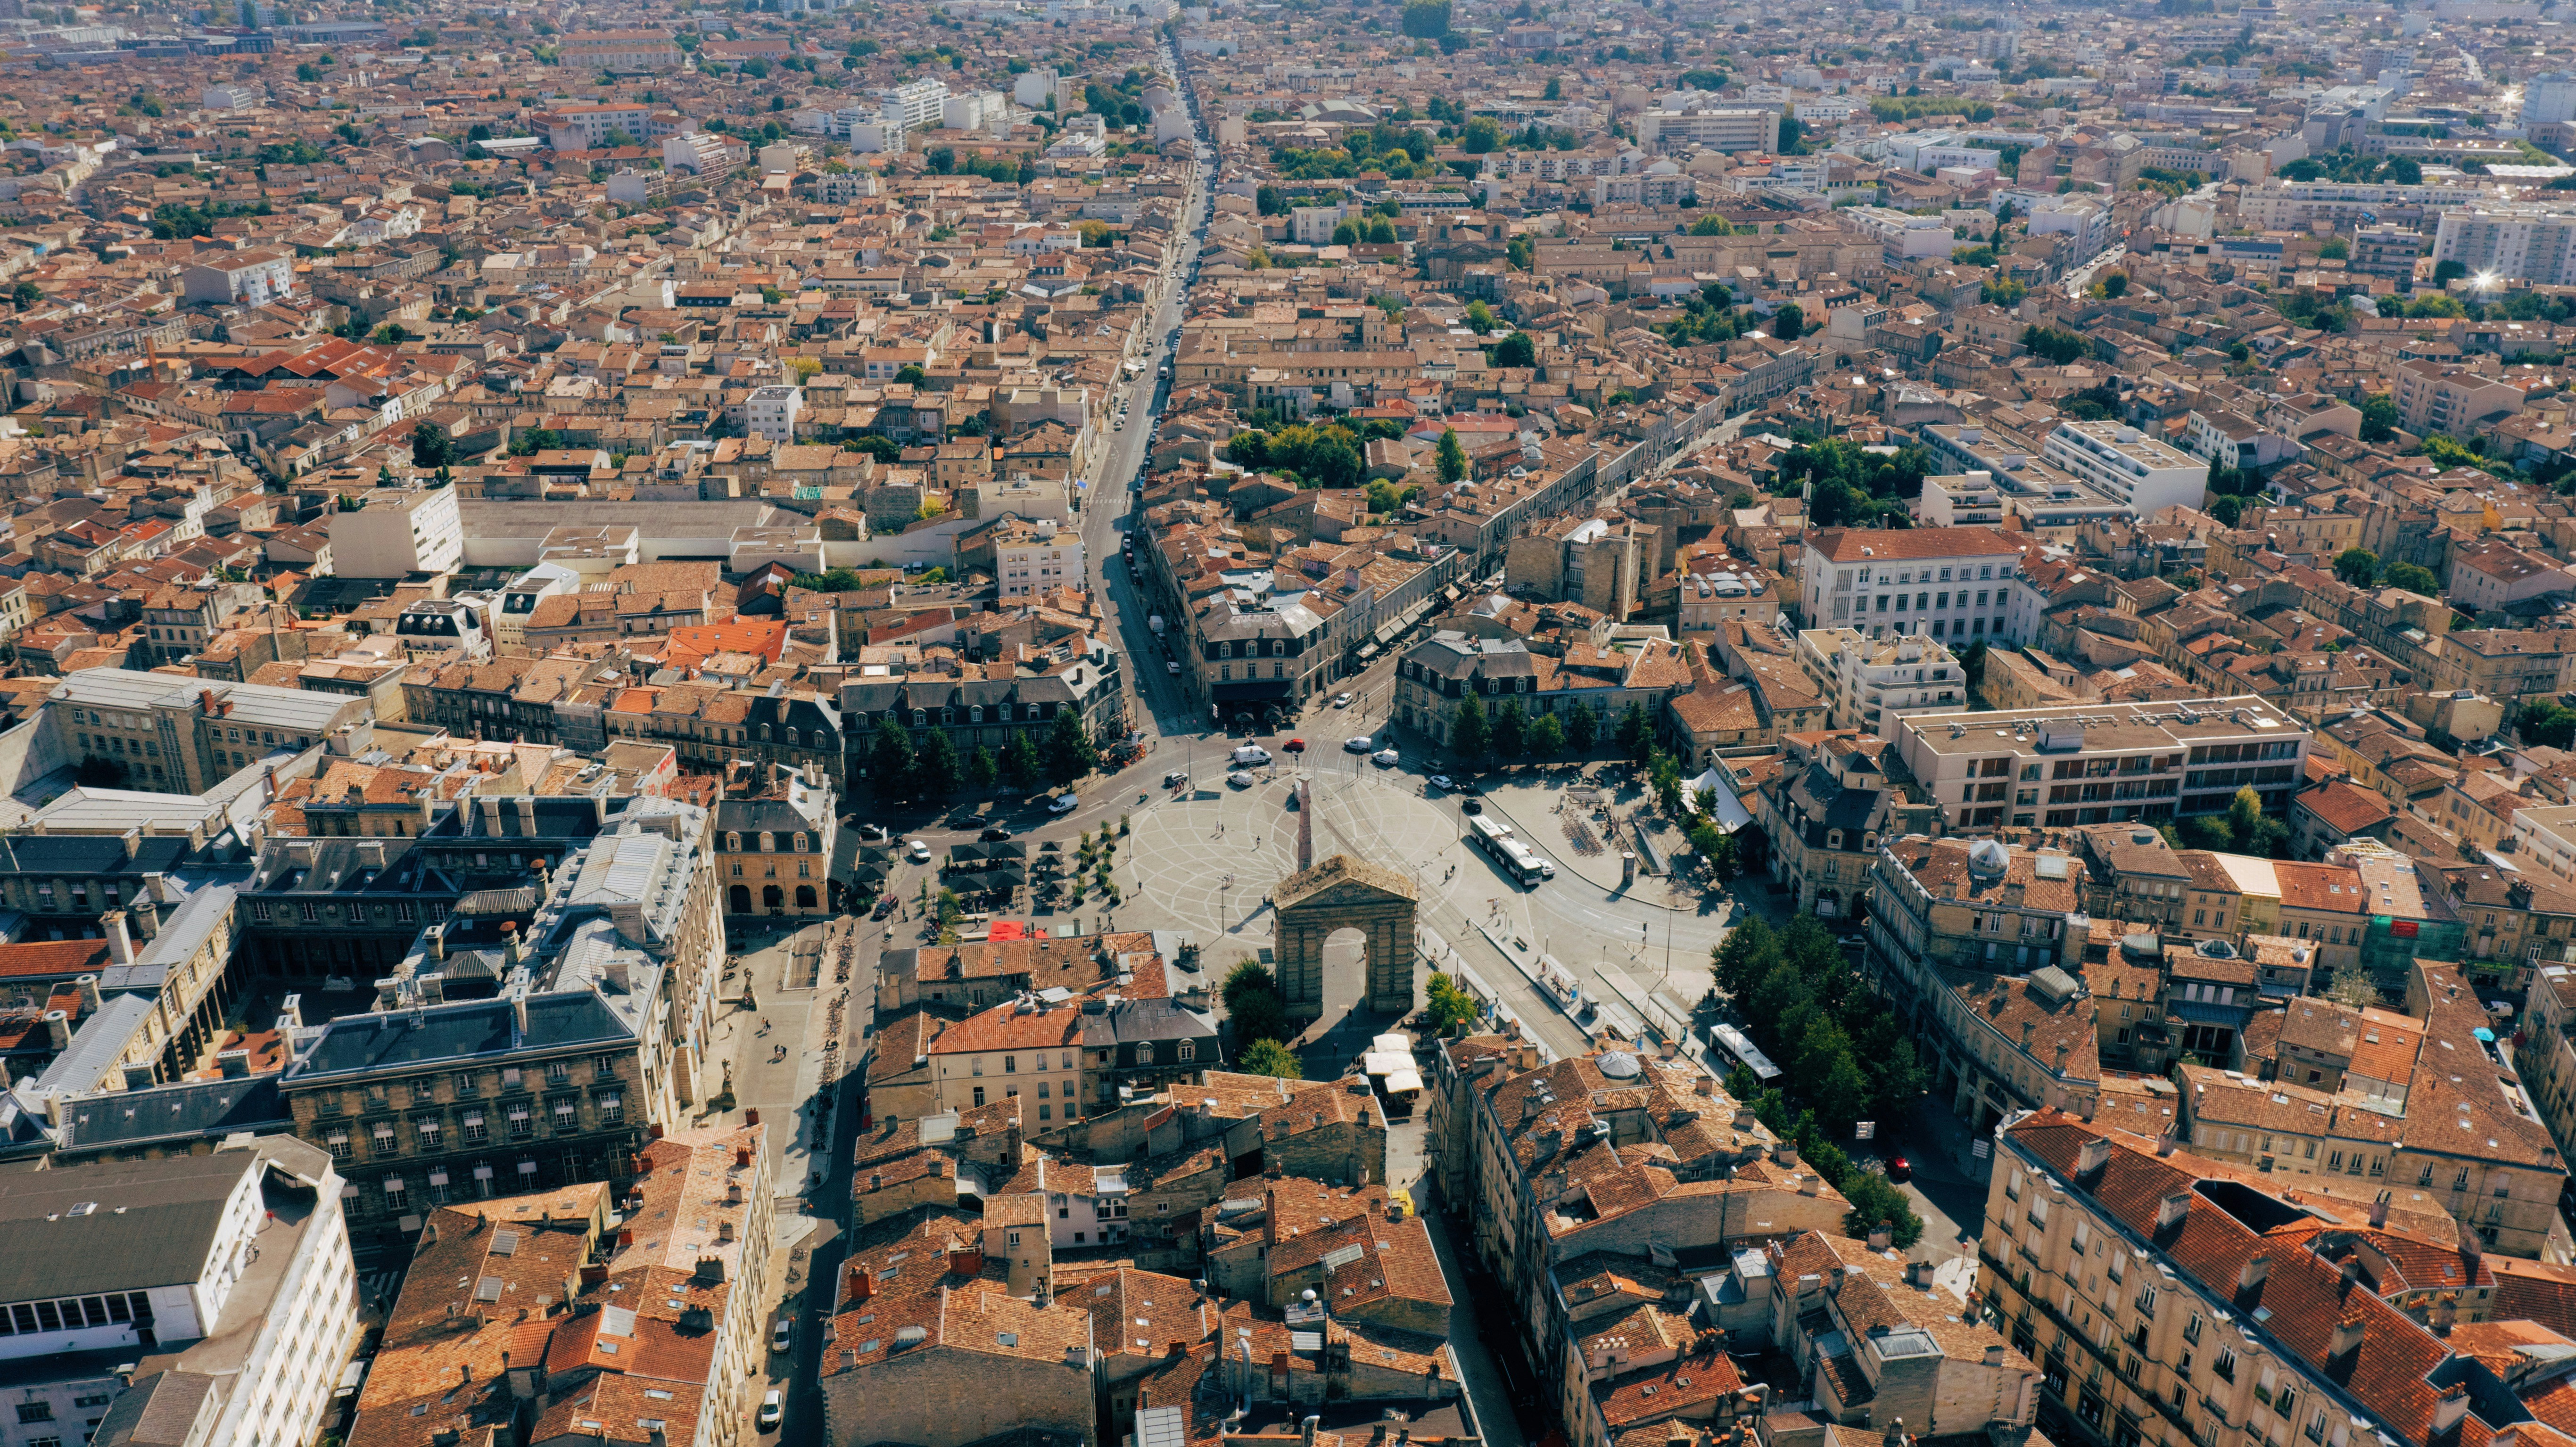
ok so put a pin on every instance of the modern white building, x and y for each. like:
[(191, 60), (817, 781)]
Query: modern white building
[(2514, 243), (2549, 98), (231, 97), (2088, 224), (393, 532), (2128, 465), (1902, 235), (1036, 555), (587, 128), (1712, 127), (1962, 500), (1943, 583), (221, 1283), (2104, 763), (243, 278), (707, 156), (917, 106), (772, 411), (1870, 684)]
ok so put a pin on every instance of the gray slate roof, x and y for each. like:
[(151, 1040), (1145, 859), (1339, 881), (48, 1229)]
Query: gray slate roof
[(152, 1224)]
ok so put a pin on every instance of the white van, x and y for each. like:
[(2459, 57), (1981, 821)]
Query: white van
[(1251, 754)]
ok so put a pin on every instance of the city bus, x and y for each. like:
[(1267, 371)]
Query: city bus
[(1515, 858), (1733, 1049)]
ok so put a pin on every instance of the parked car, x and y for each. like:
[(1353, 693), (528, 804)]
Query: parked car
[(1385, 758), (1341, 700), (884, 909), (1171, 667), (1063, 804), (874, 834), (918, 851), (1899, 1169), (1359, 743), (1440, 781), (1176, 778), (783, 1334), (772, 1407), (994, 833), (1241, 779), (1249, 754)]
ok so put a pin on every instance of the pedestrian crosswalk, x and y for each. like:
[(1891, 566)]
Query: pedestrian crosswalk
[(376, 1290)]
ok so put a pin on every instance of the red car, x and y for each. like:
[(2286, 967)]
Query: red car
[(1295, 746), (1899, 1168)]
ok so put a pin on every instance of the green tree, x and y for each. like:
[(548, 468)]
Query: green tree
[(1247, 978), (983, 770), (910, 374), (2544, 723), (1069, 752), (1269, 1057), (1720, 854), (1582, 727), (431, 446), (1546, 735), (1636, 734), (1481, 135), (1426, 19), (2378, 417), (2357, 566), (1516, 350), (1452, 457), (935, 770), (890, 760), (1480, 318), (1346, 234), (2054, 345), (1471, 734), (1511, 729), (1789, 323), (1448, 1005), (2335, 249), (1710, 226), (2253, 831), (2412, 577), (2115, 284), (1555, 89), (26, 294)]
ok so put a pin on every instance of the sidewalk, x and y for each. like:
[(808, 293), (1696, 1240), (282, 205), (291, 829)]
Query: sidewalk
[(1531, 806)]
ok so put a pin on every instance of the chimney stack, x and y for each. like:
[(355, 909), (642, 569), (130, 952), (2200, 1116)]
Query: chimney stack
[(2170, 1212), (120, 944), (2448, 1409), (2093, 1156), (2346, 1339), (2250, 1276), (2379, 1210)]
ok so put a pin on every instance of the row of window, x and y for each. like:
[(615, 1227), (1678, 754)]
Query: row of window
[(396, 1190), (423, 1090), (948, 716), (75, 1313), (400, 911), (430, 1131), (768, 844)]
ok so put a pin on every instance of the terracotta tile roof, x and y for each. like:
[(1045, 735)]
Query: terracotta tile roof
[(2304, 1295)]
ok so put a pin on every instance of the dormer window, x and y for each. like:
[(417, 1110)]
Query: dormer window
[(733, 844), (975, 713), (920, 716), (801, 846), (1144, 1052)]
